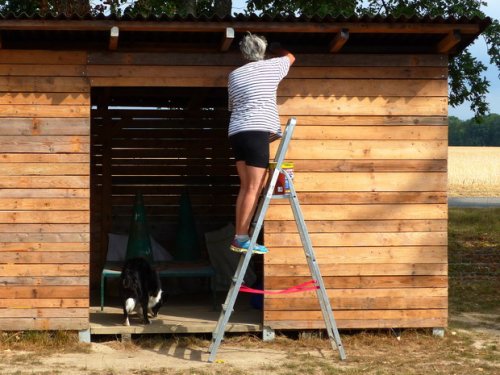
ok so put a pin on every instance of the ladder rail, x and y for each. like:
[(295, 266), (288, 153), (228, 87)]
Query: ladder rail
[(237, 280), (278, 160), (228, 306), (321, 293), (283, 146)]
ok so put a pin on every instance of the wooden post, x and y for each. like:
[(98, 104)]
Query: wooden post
[(106, 208)]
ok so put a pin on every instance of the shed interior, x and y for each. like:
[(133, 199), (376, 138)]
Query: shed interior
[(162, 143)]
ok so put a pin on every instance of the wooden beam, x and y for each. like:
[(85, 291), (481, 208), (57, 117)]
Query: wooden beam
[(254, 27), (227, 39), (449, 41), (339, 40), (113, 38), (0, 40)]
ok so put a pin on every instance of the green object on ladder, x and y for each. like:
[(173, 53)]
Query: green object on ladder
[(139, 241), (186, 242)]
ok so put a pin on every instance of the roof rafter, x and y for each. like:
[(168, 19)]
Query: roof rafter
[(114, 33), (449, 41), (227, 39), (339, 40)]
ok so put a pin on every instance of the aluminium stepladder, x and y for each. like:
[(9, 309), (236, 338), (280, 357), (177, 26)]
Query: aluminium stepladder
[(236, 282)]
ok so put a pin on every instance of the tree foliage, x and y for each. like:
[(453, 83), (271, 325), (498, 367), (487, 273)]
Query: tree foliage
[(472, 133), (45, 6), (169, 7), (119, 7), (466, 78), (308, 7)]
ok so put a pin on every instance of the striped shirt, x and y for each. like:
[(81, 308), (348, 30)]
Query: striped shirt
[(252, 96)]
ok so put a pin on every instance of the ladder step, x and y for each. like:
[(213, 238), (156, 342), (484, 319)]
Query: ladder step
[(257, 223)]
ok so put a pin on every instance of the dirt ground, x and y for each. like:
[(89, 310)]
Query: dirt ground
[(471, 345), (114, 358)]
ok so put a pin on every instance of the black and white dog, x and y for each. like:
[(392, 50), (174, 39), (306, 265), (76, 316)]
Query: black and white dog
[(140, 287)]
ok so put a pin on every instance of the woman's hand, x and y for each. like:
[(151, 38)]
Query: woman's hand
[(276, 49)]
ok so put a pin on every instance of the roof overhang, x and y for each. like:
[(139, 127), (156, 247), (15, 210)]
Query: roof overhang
[(301, 34)]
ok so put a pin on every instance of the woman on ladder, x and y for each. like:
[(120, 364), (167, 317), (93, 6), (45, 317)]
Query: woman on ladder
[(254, 124)]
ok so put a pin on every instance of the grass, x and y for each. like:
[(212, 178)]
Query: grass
[(42, 342), (474, 227), (474, 260), (27, 348), (474, 171)]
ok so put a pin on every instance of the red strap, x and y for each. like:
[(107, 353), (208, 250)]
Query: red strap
[(294, 289)]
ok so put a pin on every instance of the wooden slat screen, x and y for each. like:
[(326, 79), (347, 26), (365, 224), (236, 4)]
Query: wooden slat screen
[(161, 142)]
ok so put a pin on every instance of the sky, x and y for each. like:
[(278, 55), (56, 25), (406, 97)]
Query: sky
[(478, 50)]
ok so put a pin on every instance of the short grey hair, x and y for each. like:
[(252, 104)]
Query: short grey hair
[(253, 47)]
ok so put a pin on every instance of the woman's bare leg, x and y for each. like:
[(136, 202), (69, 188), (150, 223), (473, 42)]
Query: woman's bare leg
[(251, 183)]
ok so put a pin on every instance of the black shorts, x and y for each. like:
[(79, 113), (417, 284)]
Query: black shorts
[(252, 147)]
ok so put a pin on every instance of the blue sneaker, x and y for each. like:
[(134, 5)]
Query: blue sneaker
[(242, 247)]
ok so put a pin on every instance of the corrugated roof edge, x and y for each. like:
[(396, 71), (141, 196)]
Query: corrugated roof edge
[(482, 22)]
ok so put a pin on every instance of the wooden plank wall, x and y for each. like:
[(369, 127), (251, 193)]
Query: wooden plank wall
[(44, 190), (370, 159), (370, 154)]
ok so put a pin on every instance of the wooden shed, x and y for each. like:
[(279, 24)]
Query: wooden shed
[(94, 109)]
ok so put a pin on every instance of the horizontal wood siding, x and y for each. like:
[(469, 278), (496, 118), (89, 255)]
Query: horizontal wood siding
[(44, 194), (370, 154)]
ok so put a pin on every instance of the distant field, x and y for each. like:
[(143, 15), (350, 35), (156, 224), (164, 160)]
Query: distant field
[(474, 171)]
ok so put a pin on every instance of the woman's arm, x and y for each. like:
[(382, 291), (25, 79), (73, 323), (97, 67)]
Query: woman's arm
[(277, 50)]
